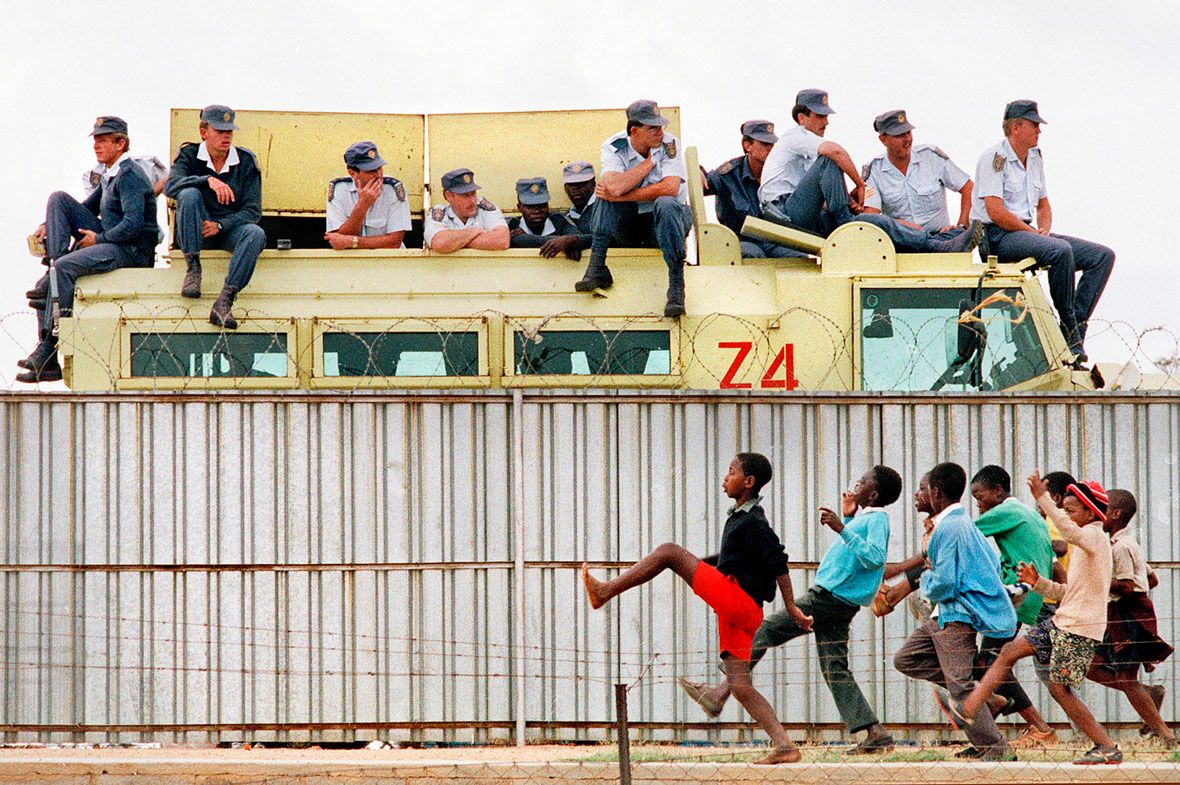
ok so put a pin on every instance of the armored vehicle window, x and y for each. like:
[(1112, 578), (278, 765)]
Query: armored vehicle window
[(208, 354), (911, 339), (594, 352), (401, 354)]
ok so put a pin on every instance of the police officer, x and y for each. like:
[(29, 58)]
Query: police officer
[(909, 183), (218, 191), (535, 226), (643, 200), (735, 184), (803, 184), (366, 209), (464, 221), (576, 225), (115, 227), (1012, 200), (153, 168)]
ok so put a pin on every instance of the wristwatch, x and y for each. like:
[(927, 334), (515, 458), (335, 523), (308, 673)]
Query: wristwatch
[(356, 241)]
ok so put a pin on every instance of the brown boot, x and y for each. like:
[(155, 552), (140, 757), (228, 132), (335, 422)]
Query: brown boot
[(192, 277), (221, 315)]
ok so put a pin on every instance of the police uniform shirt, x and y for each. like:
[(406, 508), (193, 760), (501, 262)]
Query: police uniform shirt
[(619, 156), (792, 155), (736, 193), (575, 215), (388, 214), (918, 194), (519, 223), (1000, 173), (487, 217), (99, 174)]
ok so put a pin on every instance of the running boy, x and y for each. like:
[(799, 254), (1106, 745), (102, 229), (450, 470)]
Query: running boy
[(734, 583), (1066, 642), (847, 581)]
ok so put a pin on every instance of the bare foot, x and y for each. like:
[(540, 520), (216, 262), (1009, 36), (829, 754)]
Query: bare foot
[(595, 589), (789, 754)]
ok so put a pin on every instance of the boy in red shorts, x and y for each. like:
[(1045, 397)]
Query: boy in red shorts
[(734, 583)]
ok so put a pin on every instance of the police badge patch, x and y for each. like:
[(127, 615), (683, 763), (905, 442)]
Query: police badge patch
[(670, 149), (331, 190), (484, 204), (400, 190), (437, 213), (864, 171), (998, 162), (95, 179)]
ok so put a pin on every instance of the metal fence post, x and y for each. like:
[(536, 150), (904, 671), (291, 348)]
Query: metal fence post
[(624, 733)]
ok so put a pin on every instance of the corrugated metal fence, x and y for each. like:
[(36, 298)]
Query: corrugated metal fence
[(198, 567)]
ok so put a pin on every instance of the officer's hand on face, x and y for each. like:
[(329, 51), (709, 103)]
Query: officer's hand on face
[(86, 240), (39, 232), (223, 192), (368, 193), (339, 242), (209, 228)]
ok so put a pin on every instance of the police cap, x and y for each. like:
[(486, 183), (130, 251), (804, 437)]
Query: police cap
[(645, 112), (815, 100), (532, 190), (577, 172), (363, 156), (459, 181), (760, 130), (219, 118), (1024, 110), (892, 123), (109, 124)]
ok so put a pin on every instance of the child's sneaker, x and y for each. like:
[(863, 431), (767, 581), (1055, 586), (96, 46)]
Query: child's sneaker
[(1098, 755), (1035, 738)]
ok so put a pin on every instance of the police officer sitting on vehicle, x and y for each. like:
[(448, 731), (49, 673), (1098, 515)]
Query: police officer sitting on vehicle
[(535, 226), (1010, 195), (735, 184), (464, 221), (576, 225), (115, 227), (803, 184), (909, 183), (153, 168), (218, 191), (643, 201), (366, 209)]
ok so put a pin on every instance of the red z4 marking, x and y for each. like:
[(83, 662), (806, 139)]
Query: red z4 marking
[(785, 360), (743, 349)]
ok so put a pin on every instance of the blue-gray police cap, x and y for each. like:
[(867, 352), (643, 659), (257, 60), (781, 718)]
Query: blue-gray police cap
[(815, 100), (645, 112), (1024, 110), (577, 172), (760, 130), (220, 118), (459, 181), (363, 156), (109, 124), (532, 190), (892, 123)]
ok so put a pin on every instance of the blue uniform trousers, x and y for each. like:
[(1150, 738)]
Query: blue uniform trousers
[(244, 242), (1062, 256), (820, 204), (765, 249), (65, 217), (621, 224)]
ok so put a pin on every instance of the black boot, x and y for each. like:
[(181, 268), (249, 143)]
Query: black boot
[(675, 304), (42, 364), (192, 276), (221, 315), (597, 276)]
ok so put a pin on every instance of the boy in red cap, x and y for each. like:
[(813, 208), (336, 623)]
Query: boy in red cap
[(734, 583), (1066, 642)]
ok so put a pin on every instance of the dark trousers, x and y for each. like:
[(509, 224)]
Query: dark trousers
[(832, 618), (65, 217), (765, 249), (244, 242), (621, 224), (989, 650), (1062, 256), (946, 657)]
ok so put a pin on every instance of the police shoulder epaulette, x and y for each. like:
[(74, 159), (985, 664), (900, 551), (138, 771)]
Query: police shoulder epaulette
[(332, 186), (438, 213), (936, 150), (670, 148), (484, 204), (864, 170), (728, 166), (246, 154), (620, 143), (398, 188), (187, 146)]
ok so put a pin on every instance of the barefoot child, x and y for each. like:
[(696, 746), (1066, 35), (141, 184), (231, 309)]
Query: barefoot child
[(1067, 641), (734, 583)]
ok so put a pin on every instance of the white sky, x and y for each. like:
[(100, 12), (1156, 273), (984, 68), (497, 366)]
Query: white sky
[(1105, 76)]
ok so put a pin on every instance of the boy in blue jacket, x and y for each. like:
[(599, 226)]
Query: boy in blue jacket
[(964, 586)]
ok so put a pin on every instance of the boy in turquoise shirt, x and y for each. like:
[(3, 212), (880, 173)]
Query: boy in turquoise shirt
[(847, 580)]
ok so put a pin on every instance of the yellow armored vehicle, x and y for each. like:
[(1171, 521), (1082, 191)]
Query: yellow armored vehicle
[(855, 315)]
